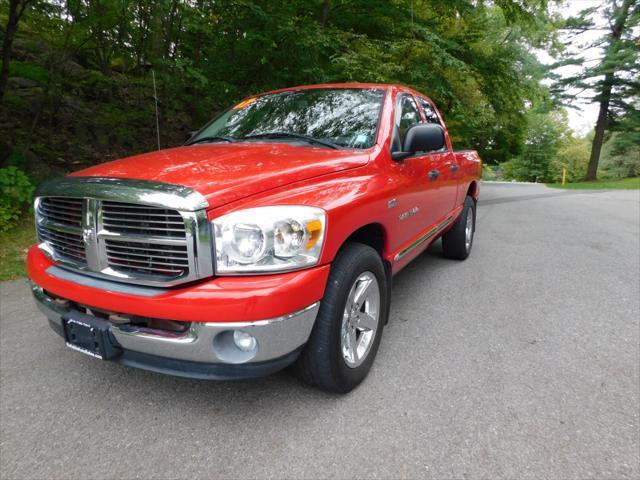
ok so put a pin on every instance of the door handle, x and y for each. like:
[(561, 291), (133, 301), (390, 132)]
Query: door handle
[(454, 167), (433, 174)]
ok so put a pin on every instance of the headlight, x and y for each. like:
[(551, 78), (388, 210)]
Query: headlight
[(269, 239)]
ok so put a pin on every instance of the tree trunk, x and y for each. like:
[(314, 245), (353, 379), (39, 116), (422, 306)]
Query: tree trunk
[(170, 30), (605, 95), (601, 126), (324, 15), (9, 34)]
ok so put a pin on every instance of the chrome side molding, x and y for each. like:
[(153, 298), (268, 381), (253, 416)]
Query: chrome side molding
[(416, 243)]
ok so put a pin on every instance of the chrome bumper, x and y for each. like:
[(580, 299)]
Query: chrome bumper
[(204, 342)]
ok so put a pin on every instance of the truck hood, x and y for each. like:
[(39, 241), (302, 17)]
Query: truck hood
[(224, 173)]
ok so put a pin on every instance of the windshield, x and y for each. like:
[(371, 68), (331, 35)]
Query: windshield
[(344, 117)]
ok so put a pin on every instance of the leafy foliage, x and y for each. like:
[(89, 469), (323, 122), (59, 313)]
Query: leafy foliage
[(15, 195), (612, 79), (573, 155), (92, 59), (488, 173), (545, 136), (29, 71), (80, 86), (620, 158)]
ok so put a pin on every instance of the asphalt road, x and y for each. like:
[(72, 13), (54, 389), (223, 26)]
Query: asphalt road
[(521, 362)]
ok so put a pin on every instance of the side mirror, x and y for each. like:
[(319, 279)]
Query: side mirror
[(424, 137)]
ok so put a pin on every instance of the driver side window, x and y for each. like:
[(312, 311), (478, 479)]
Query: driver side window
[(407, 115)]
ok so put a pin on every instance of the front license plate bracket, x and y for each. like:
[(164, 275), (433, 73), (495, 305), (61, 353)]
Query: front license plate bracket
[(89, 335)]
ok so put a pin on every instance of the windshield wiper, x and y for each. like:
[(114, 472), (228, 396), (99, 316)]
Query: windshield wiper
[(213, 138), (296, 136)]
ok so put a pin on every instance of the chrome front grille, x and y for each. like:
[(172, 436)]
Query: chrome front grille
[(60, 226), (66, 245), (65, 211), (126, 241), (130, 219), (131, 250), (143, 258)]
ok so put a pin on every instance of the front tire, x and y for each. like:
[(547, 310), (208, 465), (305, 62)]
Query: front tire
[(457, 242), (346, 335)]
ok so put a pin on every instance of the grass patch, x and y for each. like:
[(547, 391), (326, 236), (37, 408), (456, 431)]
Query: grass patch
[(13, 248), (28, 70), (617, 184)]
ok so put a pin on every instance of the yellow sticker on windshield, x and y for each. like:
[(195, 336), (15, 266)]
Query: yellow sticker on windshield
[(243, 104)]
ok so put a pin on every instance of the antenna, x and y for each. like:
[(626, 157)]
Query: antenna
[(155, 97)]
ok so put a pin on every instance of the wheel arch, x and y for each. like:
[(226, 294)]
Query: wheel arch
[(375, 236), (473, 190), (371, 234)]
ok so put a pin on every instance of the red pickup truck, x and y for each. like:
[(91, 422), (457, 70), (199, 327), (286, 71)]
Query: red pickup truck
[(269, 239)]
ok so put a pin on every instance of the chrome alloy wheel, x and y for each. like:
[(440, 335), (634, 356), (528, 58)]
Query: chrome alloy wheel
[(468, 229), (360, 319)]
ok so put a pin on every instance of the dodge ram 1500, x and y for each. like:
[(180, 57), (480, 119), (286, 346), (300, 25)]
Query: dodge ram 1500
[(270, 238)]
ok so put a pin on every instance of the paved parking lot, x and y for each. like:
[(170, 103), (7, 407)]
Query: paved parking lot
[(521, 362)]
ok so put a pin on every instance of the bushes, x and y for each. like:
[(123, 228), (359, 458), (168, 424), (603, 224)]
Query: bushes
[(546, 132), (488, 173), (619, 160), (621, 166), (15, 196), (574, 156), (28, 70)]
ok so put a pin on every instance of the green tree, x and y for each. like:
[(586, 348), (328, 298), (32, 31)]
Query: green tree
[(96, 102), (620, 158), (614, 77), (572, 156), (546, 135), (17, 8)]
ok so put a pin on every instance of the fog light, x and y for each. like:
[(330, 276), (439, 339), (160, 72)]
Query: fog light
[(244, 341)]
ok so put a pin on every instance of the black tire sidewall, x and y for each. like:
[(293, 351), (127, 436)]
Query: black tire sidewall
[(354, 260), (470, 204), (454, 241)]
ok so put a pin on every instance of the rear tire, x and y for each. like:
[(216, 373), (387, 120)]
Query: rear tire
[(352, 313), (457, 242)]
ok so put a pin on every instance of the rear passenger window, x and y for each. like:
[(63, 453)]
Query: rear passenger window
[(407, 116), (429, 112)]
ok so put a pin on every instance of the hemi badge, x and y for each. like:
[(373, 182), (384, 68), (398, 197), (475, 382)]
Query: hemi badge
[(408, 213)]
